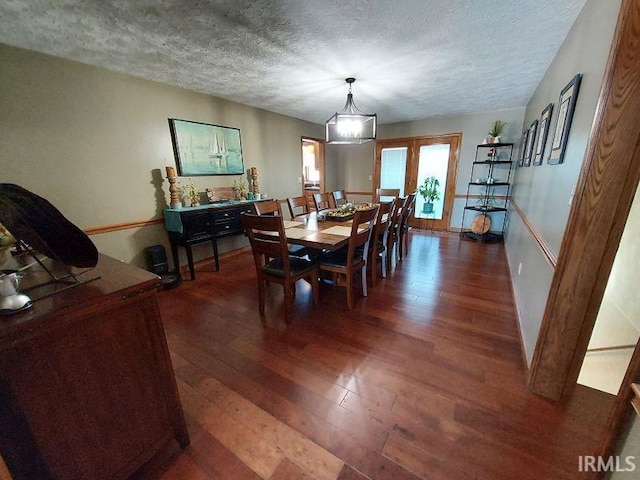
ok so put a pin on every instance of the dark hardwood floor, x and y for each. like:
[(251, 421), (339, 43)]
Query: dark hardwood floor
[(423, 379)]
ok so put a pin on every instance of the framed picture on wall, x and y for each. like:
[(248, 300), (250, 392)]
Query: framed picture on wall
[(566, 107), (531, 140), (204, 149), (523, 148), (545, 121)]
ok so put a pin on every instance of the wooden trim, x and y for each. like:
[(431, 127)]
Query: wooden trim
[(611, 349), (606, 187), (546, 250), (359, 193), (122, 226)]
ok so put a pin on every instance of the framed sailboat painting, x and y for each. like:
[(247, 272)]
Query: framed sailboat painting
[(204, 149)]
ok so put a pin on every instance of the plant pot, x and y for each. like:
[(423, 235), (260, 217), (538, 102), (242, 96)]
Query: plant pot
[(427, 207), (494, 139)]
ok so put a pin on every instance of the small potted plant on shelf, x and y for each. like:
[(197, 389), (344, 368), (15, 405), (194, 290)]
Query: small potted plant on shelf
[(496, 130), (429, 191)]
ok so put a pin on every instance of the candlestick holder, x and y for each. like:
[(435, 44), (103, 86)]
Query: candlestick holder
[(254, 182), (173, 193)]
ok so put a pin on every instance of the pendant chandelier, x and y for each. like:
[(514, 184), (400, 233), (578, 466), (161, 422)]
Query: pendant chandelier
[(351, 126)]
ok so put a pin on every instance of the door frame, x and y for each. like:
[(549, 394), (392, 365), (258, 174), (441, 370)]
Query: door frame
[(321, 169), (413, 145)]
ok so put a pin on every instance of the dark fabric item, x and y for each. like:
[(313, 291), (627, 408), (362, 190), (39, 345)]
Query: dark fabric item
[(40, 225), (296, 265), (339, 257)]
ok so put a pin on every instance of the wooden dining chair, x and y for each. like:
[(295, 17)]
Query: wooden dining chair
[(321, 201), (295, 203), (339, 198), (267, 238), (405, 223), (386, 193), (353, 258), (380, 241), (392, 235), (272, 207), (269, 207)]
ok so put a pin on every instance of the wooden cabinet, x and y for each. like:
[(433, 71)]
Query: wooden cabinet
[(86, 384), (207, 223)]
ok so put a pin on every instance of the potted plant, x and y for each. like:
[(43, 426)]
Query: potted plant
[(429, 191), (496, 130), (190, 192)]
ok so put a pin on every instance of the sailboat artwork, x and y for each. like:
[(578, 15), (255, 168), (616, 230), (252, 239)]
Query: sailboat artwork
[(204, 149)]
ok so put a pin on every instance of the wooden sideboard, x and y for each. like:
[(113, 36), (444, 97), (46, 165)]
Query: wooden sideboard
[(207, 223), (86, 384)]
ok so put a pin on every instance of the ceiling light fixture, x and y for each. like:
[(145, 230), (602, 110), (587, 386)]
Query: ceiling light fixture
[(351, 126)]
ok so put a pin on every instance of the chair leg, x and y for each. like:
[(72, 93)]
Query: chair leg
[(383, 263), (374, 267), (400, 241), (349, 290), (363, 274)]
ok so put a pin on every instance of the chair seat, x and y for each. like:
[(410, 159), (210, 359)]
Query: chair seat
[(339, 258), (379, 247), (301, 251), (297, 266)]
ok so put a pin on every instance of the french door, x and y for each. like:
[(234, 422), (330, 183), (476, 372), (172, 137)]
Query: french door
[(405, 163)]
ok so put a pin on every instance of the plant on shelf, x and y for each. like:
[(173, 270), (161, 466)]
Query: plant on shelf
[(429, 191), (241, 187), (496, 130), (189, 192)]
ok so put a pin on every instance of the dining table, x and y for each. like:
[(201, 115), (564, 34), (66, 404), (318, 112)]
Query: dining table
[(316, 231)]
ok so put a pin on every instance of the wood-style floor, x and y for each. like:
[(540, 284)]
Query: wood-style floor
[(423, 379)]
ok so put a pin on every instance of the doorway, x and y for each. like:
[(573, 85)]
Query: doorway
[(406, 163), (313, 174)]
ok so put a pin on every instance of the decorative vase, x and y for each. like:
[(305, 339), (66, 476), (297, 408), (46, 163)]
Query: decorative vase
[(427, 207)]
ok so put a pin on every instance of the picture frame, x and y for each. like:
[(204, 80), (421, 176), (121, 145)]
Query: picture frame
[(523, 148), (205, 149), (566, 108), (530, 145), (545, 122)]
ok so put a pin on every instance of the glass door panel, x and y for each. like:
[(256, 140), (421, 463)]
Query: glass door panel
[(433, 161), (393, 168)]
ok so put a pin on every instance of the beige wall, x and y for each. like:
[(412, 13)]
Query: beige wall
[(95, 143), (543, 192)]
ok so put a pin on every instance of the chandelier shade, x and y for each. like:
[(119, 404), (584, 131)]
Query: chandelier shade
[(351, 126)]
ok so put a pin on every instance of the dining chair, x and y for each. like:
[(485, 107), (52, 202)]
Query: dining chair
[(298, 202), (380, 240), (321, 201), (386, 193), (339, 198), (269, 207), (267, 238), (405, 223), (272, 207), (350, 259), (392, 236)]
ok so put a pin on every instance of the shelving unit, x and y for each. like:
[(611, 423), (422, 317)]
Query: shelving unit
[(488, 193)]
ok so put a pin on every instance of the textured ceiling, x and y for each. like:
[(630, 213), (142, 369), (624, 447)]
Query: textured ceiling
[(412, 59)]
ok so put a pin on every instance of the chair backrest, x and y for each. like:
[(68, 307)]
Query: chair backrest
[(267, 239), (321, 201), (269, 207), (297, 202), (383, 221), (361, 238), (407, 210), (386, 193), (339, 198)]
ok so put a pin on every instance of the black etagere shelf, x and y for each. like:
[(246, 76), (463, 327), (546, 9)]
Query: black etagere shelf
[(488, 193)]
